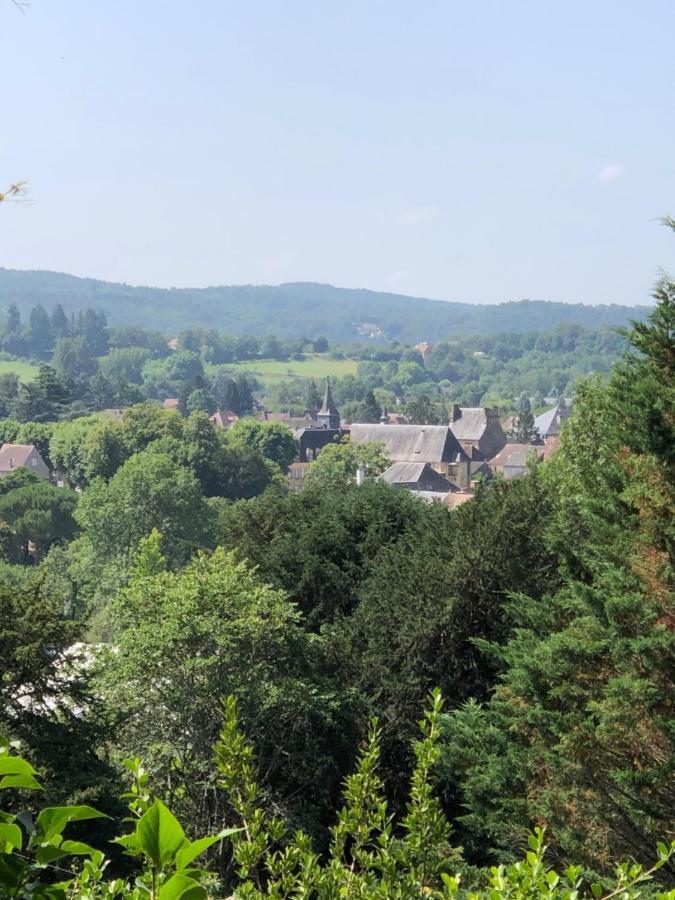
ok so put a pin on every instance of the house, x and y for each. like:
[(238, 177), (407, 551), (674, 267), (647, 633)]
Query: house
[(170, 403), (478, 430), (512, 460), (224, 418), (432, 444), (17, 456), (549, 423), (416, 476), (326, 430)]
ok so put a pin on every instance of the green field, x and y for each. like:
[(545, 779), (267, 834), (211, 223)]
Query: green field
[(25, 370), (316, 366)]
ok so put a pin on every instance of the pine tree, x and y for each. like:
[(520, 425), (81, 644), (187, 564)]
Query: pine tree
[(312, 396), (13, 319), (369, 409), (525, 430)]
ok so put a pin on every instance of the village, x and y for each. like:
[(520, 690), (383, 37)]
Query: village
[(436, 463)]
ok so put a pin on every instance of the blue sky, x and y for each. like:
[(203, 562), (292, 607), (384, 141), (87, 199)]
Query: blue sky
[(481, 151)]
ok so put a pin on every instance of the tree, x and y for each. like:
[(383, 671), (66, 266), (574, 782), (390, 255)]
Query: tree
[(58, 322), (201, 400), (54, 391), (125, 364), (525, 430), (319, 544), (589, 666), (87, 448), (40, 515), (183, 639), (340, 464), (43, 692), (74, 362), (9, 388), (31, 404), (142, 424), (40, 332), (12, 319), (313, 399), (369, 409), (422, 411), (274, 440), (148, 491)]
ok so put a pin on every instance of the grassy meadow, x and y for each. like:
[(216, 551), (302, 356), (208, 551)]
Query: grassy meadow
[(317, 366), (25, 370)]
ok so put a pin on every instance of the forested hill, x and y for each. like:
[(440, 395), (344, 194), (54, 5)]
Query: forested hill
[(288, 310)]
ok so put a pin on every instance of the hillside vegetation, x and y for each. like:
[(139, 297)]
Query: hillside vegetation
[(174, 602), (290, 310)]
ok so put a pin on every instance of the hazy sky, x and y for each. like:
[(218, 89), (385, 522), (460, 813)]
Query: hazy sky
[(478, 151)]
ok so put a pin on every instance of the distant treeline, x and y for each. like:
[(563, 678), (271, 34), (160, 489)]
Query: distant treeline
[(88, 366), (289, 310)]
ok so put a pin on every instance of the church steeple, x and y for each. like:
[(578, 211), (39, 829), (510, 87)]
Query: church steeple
[(328, 416)]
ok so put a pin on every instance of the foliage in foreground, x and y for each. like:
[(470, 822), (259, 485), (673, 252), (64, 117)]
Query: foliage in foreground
[(370, 855)]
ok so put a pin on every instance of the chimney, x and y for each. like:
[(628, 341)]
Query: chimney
[(456, 412)]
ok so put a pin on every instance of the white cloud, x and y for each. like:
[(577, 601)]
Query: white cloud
[(610, 172), (396, 278), (416, 215)]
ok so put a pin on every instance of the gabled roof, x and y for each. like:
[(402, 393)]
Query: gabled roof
[(412, 443), (471, 424), (14, 455), (516, 455), (413, 472), (548, 422)]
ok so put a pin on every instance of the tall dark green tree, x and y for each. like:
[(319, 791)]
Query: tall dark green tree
[(40, 332), (524, 429), (579, 733)]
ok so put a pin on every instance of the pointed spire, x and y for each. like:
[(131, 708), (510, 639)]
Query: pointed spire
[(328, 416)]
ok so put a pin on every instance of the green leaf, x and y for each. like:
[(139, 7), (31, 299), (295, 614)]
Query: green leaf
[(20, 781), (77, 848), (193, 849), (54, 819), (15, 765), (11, 834), (129, 841), (180, 886), (159, 833), (596, 889)]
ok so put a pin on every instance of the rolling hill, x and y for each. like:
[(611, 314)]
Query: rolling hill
[(343, 315)]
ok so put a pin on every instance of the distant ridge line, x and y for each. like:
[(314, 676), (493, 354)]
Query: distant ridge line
[(293, 309)]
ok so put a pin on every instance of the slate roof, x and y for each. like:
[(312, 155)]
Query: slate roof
[(16, 454), (412, 443), (548, 423), (471, 424), (516, 455), (328, 408), (414, 472)]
